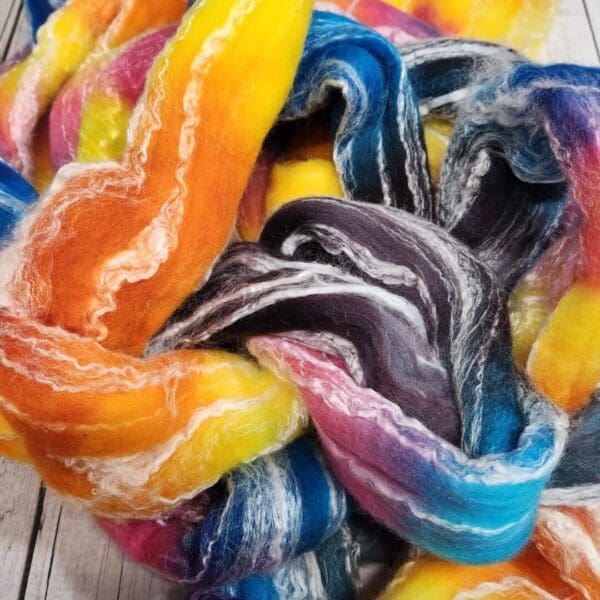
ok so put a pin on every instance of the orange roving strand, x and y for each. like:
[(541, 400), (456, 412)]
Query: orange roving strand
[(130, 437), (92, 260), (137, 17), (109, 237)]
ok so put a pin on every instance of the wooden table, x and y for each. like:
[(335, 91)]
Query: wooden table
[(49, 549)]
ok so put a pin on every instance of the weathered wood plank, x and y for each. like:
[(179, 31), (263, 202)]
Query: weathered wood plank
[(571, 38), (72, 558), (139, 583), (9, 13), (19, 490), (592, 8), (35, 582), (20, 38), (5, 10)]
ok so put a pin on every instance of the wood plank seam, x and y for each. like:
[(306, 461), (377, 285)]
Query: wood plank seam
[(595, 34), (52, 555), (12, 33), (37, 524), (120, 580), (11, 18)]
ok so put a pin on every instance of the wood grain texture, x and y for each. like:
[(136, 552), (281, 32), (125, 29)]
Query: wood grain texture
[(21, 33), (592, 8), (9, 14), (572, 39), (51, 550), (19, 492)]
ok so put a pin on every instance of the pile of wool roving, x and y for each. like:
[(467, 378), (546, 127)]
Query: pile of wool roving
[(302, 302)]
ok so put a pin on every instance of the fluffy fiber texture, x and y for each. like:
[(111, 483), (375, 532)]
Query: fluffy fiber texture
[(430, 340), (521, 24), (39, 10), (385, 278), (275, 508), (16, 195), (71, 36)]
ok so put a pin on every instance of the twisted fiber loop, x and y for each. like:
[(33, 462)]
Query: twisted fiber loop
[(440, 177)]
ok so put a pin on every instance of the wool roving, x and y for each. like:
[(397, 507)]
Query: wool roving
[(367, 106), (64, 42), (257, 518), (432, 72), (560, 561), (39, 10), (521, 24), (27, 88), (171, 385), (398, 26), (16, 195), (540, 289), (335, 569), (159, 372), (323, 573), (537, 153), (111, 85), (107, 90), (530, 576), (132, 437), (257, 534), (352, 563), (366, 275), (157, 255), (375, 99), (89, 119)]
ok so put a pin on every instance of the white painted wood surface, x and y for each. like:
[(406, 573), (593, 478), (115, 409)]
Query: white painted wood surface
[(50, 550)]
